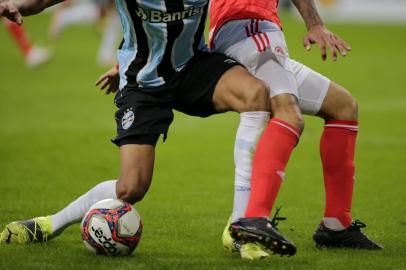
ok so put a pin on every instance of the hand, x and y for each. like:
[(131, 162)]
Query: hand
[(10, 11), (321, 36), (109, 80)]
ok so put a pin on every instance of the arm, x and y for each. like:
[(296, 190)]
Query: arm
[(318, 33), (15, 9), (309, 13)]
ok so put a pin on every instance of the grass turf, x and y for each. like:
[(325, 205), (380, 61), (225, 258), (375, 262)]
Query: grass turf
[(54, 145)]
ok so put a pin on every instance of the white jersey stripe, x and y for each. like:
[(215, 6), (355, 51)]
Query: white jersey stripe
[(287, 127), (352, 128)]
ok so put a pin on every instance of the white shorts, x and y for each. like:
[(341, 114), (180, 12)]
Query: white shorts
[(261, 47)]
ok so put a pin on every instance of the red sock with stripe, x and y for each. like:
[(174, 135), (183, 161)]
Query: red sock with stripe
[(270, 159), (19, 35), (337, 149)]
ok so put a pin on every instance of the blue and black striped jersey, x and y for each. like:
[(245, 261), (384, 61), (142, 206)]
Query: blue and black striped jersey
[(160, 36)]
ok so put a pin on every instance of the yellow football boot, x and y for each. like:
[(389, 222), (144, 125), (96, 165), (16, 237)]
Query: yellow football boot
[(228, 242), (253, 251), (248, 251), (29, 231)]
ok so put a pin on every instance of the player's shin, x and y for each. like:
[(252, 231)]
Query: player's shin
[(270, 159), (337, 147), (74, 212), (249, 130), (271, 156)]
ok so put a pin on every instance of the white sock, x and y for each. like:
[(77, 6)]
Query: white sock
[(75, 211), (250, 129), (333, 224)]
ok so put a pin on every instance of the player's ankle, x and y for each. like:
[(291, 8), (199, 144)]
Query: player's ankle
[(336, 224)]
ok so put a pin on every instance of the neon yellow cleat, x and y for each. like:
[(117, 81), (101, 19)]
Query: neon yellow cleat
[(249, 251), (228, 242), (253, 251), (29, 231)]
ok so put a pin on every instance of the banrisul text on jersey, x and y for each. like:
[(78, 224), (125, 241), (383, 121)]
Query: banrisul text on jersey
[(159, 38)]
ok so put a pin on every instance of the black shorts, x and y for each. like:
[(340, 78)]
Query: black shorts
[(145, 113)]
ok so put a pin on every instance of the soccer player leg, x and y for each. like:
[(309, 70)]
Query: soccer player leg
[(41, 229), (137, 164), (273, 152), (319, 96), (250, 97), (135, 176), (136, 173), (137, 153), (220, 84), (249, 130), (271, 157), (137, 158), (34, 55), (234, 93), (19, 35), (337, 150), (142, 116)]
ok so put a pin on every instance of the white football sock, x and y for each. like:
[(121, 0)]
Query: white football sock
[(333, 224), (74, 212), (250, 129)]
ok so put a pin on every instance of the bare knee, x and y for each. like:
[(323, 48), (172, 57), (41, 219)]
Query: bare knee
[(296, 120), (343, 109), (339, 104), (132, 188), (286, 108), (256, 98), (348, 111)]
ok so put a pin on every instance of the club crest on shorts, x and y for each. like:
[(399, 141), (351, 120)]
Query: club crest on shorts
[(280, 50), (230, 61), (128, 119)]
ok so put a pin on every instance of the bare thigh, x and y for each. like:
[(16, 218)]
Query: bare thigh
[(237, 90)]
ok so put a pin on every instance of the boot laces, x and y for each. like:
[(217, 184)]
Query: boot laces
[(276, 218), (357, 224)]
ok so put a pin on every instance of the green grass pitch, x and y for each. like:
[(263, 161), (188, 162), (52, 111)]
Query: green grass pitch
[(54, 145)]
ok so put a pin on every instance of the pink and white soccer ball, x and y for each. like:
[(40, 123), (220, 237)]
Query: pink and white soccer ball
[(111, 227)]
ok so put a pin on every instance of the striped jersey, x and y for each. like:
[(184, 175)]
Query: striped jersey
[(160, 37)]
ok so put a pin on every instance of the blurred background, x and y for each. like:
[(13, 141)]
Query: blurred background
[(55, 127)]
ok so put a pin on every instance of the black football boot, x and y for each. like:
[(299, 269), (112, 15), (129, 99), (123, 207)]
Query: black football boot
[(352, 237), (263, 231)]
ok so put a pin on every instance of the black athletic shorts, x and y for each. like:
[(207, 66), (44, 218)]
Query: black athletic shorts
[(145, 113)]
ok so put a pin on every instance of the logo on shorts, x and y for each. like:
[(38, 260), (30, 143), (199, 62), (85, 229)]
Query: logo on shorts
[(280, 50), (230, 61), (128, 119)]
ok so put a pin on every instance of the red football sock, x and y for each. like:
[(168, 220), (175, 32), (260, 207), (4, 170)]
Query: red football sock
[(268, 170), (19, 35), (337, 148)]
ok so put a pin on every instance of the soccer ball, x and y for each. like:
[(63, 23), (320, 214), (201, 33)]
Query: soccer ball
[(111, 227)]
